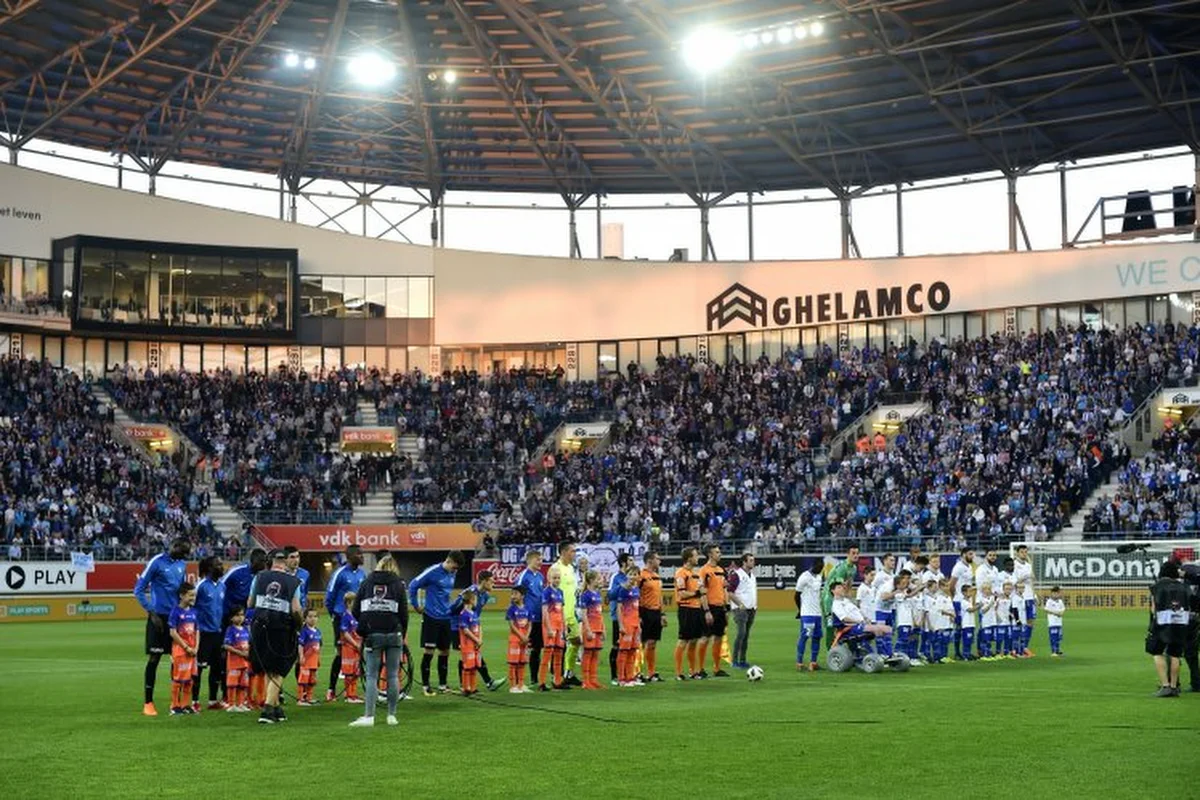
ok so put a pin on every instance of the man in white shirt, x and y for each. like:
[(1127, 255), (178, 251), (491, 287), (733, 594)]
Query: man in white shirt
[(744, 599), (885, 602), (961, 576), (1023, 581), (808, 602), (851, 616)]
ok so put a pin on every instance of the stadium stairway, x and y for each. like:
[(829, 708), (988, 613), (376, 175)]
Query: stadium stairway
[(105, 399), (1073, 530), (225, 519), (409, 444), (380, 507), (367, 413)]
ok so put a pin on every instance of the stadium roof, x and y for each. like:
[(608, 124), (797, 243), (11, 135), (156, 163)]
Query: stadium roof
[(594, 96)]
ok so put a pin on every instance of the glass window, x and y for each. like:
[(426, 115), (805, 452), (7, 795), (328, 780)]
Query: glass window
[(1135, 311), (233, 296), (1026, 320), (36, 279), (31, 347), (95, 288), (648, 354), (256, 360), (995, 322), (273, 301), (588, 361), (214, 357), (607, 359), (376, 298), (310, 359), (1049, 319), (333, 358), (397, 297), (627, 352), (355, 294), (170, 356), (754, 345), (94, 357), (954, 327), (73, 356), (773, 344), (53, 350), (397, 356), (1114, 314), (858, 335), (313, 301), (335, 301), (1160, 310), (277, 356), (135, 357), (377, 357), (6, 282), (131, 271), (1069, 316), (420, 298), (418, 358), (116, 354), (203, 290), (235, 358)]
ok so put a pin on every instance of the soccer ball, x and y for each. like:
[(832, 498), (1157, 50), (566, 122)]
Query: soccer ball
[(754, 674)]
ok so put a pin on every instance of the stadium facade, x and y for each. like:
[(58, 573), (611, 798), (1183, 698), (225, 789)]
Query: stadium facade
[(151, 282)]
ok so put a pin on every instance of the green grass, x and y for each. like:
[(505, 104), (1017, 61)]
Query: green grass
[(70, 703)]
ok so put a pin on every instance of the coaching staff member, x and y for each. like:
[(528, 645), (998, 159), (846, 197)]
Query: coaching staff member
[(275, 598), (157, 590), (437, 582), (382, 613), (1168, 631)]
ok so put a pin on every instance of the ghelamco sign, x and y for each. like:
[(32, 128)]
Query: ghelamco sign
[(740, 303)]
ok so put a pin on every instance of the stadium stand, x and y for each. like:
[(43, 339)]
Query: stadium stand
[(68, 483)]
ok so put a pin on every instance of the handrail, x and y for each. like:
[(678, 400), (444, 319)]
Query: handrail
[(1105, 217)]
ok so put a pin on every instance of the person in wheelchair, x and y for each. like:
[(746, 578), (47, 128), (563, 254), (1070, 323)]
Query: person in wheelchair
[(848, 619)]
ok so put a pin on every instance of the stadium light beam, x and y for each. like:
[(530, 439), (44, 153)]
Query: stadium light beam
[(708, 50), (310, 63), (372, 69)]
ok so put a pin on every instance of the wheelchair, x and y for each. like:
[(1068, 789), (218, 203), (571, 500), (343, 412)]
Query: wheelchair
[(851, 647)]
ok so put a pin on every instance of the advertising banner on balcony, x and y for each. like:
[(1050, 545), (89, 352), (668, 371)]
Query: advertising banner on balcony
[(364, 439), (335, 538)]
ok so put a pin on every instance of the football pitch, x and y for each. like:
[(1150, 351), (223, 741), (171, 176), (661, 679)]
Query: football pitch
[(70, 712)]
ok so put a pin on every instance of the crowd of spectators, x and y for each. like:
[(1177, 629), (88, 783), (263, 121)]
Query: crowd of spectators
[(269, 440), (66, 484), (1157, 495), (1016, 432)]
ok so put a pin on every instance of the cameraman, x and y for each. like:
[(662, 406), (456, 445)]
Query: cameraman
[(1191, 647), (275, 598), (381, 608), (1169, 627)]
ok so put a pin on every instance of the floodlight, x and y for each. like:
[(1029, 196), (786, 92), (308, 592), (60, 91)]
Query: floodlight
[(800, 32), (310, 63), (371, 68), (817, 28), (767, 37), (707, 50), (450, 76), (784, 35), (291, 60), (750, 41)]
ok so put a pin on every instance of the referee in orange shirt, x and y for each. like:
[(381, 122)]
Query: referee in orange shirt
[(691, 620), (651, 614), (713, 601)]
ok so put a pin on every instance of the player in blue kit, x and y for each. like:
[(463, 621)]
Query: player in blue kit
[(345, 578), (210, 610), (435, 583), (157, 590), (237, 582)]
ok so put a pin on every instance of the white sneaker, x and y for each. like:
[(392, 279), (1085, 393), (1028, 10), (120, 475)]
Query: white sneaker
[(355, 701), (391, 720), (616, 683), (363, 722), (517, 690)]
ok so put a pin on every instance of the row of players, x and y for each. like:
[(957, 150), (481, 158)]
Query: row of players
[(981, 611), (244, 690)]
